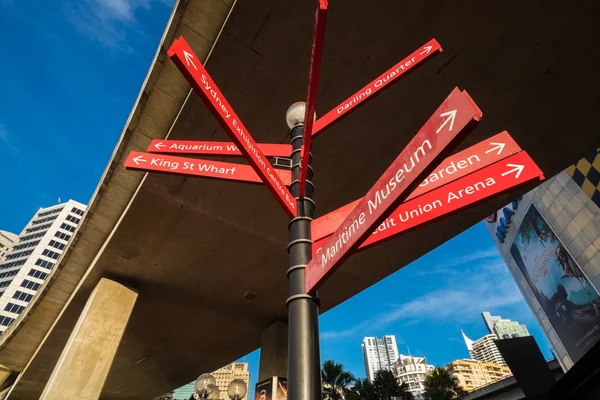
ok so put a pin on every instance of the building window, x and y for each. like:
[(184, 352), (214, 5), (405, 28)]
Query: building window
[(41, 221), (27, 284), (62, 236), (37, 274), (71, 218), (12, 264), (26, 297), (38, 228), (57, 245), (4, 284), (77, 211), (44, 263), (7, 274), (14, 308), (67, 227), (55, 211), (51, 254), (6, 321), (26, 245), (12, 256)]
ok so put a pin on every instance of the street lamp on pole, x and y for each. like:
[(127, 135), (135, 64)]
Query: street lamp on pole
[(206, 388), (304, 367), (237, 389)]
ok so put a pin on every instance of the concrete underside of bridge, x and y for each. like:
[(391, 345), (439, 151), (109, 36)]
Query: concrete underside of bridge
[(193, 247)]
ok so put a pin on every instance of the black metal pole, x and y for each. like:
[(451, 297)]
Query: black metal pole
[(304, 366)]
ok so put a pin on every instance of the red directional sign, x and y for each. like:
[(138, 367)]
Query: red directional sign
[(456, 166), (197, 167), (399, 70), (189, 65), (486, 183), (214, 148), (438, 136), (311, 94)]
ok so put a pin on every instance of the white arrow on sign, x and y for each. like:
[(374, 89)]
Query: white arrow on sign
[(517, 168), (451, 116), (426, 49), (497, 146), (138, 159), (189, 59), (159, 145)]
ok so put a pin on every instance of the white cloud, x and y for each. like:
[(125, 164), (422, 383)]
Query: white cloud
[(108, 21), (6, 140), (482, 286)]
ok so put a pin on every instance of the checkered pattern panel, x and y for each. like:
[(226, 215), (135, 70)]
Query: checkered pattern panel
[(586, 173)]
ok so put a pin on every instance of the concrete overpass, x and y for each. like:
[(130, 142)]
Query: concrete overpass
[(192, 248)]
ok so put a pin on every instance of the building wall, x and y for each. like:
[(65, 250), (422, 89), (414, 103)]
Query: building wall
[(504, 328), (570, 204), (33, 257), (484, 349), (472, 374), (223, 376), (7, 241), (412, 371)]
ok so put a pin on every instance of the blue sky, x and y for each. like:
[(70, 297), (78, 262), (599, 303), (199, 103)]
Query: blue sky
[(72, 70)]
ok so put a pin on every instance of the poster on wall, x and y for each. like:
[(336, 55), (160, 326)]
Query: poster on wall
[(568, 298), (274, 388), (264, 390)]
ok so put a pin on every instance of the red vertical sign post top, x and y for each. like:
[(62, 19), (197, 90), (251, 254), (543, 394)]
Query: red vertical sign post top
[(213, 148), (467, 191), (439, 135), (452, 168), (189, 65), (399, 70), (197, 167), (311, 94)]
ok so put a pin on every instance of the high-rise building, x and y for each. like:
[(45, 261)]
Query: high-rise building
[(550, 242), (379, 353), (484, 349), (223, 376), (7, 241), (412, 371), (504, 328), (33, 257), (472, 374), (228, 373)]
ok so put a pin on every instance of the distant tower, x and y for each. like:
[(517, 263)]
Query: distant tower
[(484, 349), (504, 328), (379, 353)]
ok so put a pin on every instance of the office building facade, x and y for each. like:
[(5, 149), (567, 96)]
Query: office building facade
[(379, 353), (33, 257), (484, 349), (412, 371), (503, 328), (7, 241), (223, 376), (472, 374), (550, 241)]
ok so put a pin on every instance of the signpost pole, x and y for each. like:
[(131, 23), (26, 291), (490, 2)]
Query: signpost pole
[(304, 366)]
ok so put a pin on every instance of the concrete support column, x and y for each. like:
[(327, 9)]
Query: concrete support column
[(274, 351), (85, 361)]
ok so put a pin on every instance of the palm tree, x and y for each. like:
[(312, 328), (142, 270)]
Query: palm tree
[(362, 390), (387, 387), (336, 381), (440, 385)]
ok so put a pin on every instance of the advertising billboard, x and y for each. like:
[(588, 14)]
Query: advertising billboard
[(274, 388), (566, 295)]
